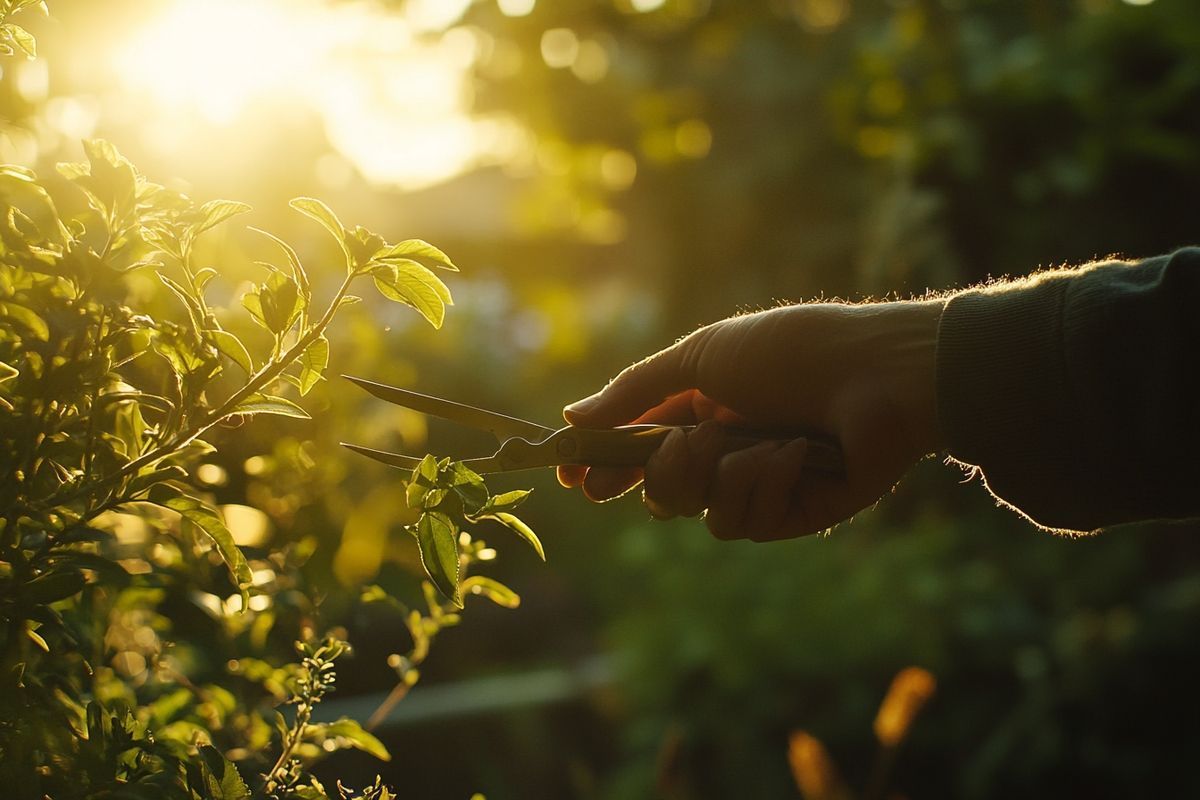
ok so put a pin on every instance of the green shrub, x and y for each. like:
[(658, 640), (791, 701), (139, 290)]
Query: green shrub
[(107, 408)]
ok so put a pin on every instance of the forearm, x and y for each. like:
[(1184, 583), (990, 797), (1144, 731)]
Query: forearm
[(1076, 391)]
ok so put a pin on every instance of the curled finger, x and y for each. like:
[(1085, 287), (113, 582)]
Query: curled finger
[(733, 483), (605, 483), (773, 495)]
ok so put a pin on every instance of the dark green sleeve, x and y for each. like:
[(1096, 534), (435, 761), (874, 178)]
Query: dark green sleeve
[(1077, 394)]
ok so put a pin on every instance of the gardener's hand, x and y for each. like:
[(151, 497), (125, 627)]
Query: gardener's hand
[(861, 375)]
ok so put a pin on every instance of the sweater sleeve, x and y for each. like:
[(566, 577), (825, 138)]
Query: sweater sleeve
[(1076, 392)]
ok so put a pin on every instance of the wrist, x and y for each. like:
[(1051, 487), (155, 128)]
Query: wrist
[(914, 360)]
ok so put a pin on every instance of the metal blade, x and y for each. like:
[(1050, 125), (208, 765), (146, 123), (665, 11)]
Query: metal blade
[(501, 426), (391, 459), (482, 466)]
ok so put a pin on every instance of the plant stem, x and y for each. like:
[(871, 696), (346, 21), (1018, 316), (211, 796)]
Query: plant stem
[(398, 693), (267, 373), (303, 713)]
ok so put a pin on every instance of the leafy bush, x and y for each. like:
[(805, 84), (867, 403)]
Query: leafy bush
[(107, 412)]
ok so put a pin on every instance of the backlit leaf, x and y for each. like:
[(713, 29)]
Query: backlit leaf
[(438, 541), (313, 361), (315, 209), (357, 736), (267, 404), (208, 520), (409, 289), (231, 347), (214, 212), (195, 312), (22, 38), (364, 246), (505, 501), (520, 528), (495, 591), (253, 303), (202, 278), (293, 259), (36, 326), (281, 302), (18, 172), (420, 249), (469, 487), (221, 778)]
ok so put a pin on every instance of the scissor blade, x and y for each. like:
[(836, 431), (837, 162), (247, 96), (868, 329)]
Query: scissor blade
[(391, 459), (482, 466), (501, 426)]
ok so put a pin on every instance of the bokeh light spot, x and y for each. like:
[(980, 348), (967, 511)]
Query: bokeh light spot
[(560, 47), (693, 138), (516, 8)]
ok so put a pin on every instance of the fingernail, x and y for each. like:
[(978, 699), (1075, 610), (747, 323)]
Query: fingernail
[(656, 511), (582, 406)]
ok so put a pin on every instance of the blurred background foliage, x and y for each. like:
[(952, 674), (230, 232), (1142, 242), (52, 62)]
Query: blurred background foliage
[(610, 174)]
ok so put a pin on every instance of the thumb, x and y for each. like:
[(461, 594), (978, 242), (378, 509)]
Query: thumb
[(639, 388)]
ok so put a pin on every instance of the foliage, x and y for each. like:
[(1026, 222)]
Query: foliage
[(105, 413), (856, 149)]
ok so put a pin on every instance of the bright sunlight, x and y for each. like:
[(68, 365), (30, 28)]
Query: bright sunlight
[(393, 103)]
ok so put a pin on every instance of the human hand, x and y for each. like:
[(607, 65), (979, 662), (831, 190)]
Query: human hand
[(862, 375)]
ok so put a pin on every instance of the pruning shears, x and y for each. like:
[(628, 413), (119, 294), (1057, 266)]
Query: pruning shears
[(528, 445)]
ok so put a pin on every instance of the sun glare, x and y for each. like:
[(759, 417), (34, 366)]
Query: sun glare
[(393, 103)]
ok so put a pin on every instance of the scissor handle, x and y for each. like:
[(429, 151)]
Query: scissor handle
[(632, 445)]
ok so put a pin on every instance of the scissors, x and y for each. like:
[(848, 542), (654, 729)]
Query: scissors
[(528, 445)]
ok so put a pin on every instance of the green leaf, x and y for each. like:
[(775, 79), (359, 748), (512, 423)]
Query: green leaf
[(411, 271), (130, 427), (281, 302), (37, 639), (357, 736), (232, 348), (418, 248), (469, 486), (53, 586), (414, 495), (505, 501), (426, 471), (209, 521), (148, 480), (253, 303), (202, 278), (495, 591), (315, 209), (21, 38), (214, 212), (438, 542), (364, 246), (404, 287), (8, 372), (18, 172), (195, 312), (520, 528), (36, 326), (111, 182), (268, 404), (313, 361), (293, 259), (221, 778)]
